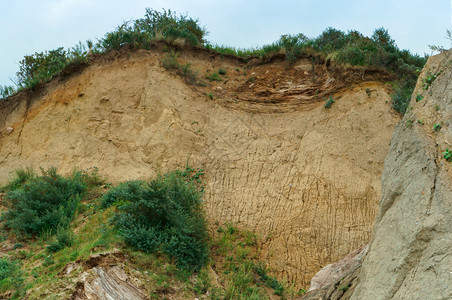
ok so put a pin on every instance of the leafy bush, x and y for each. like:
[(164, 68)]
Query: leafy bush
[(11, 276), (40, 67), (402, 95), (90, 177), (155, 25), (124, 35), (21, 176), (43, 203), (129, 191), (63, 239), (170, 25), (165, 215)]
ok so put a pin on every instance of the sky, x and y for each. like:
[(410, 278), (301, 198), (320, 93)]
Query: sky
[(29, 26)]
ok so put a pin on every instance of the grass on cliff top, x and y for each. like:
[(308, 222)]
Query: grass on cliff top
[(351, 48), (36, 265)]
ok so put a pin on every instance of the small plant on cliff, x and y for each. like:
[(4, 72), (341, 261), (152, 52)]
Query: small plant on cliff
[(214, 77), (409, 123), (329, 102), (437, 127), (163, 215), (419, 97), (429, 80), (171, 62), (448, 155)]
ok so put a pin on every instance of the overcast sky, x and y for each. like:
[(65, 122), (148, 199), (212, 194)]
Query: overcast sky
[(28, 26)]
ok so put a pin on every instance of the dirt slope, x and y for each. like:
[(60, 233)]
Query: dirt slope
[(305, 178)]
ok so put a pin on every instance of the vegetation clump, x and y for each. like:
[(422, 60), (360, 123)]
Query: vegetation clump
[(428, 80), (447, 154), (142, 220), (162, 215), (42, 203), (351, 48), (11, 277), (329, 102), (63, 239), (170, 62), (214, 77)]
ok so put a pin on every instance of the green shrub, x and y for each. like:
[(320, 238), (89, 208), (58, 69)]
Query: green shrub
[(63, 239), (164, 215), (90, 177), (170, 61), (11, 276), (129, 191), (271, 282), (43, 203), (41, 67), (402, 95), (155, 25), (124, 35), (21, 176), (222, 71), (170, 25)]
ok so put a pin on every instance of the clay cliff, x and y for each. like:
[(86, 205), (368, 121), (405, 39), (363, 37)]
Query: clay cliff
[(304, 178)]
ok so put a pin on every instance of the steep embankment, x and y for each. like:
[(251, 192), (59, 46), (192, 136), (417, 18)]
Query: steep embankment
[(410, 254), (305, 178)]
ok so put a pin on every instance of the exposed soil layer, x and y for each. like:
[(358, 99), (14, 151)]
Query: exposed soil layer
[(305, 178)]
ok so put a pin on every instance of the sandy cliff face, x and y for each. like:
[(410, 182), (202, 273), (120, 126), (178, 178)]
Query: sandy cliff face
[(410, 255), (305, 178)]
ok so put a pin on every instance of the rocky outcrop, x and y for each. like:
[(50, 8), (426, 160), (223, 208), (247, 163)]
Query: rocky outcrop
[(335, 272), (103, 276), (305, 178), (410, 256)]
